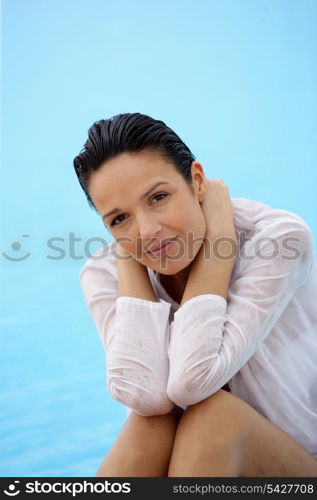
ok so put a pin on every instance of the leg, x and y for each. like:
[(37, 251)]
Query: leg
[(223, 436), (143, 448)]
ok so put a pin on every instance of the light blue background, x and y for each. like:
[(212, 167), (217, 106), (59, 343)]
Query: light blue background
[(236, 79)]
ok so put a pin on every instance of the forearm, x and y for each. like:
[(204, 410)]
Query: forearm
[(210, 275), (196, 368), (137, 357), (133, 280)]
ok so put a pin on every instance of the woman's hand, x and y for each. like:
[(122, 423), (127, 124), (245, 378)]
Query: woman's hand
[(133, 277), (123, 255), (210, 272), (121, 252), (218, 210)]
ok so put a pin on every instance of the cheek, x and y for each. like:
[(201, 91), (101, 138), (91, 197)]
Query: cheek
[(201, 223), (196, 231), (136, 247), (193, 219), (182, 216)]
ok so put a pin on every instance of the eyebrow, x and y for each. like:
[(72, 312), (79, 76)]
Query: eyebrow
[(115, 210)]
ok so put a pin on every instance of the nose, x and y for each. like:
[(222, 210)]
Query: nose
[(149, 228)]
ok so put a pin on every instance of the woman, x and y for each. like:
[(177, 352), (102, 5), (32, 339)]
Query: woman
[(205, 308)]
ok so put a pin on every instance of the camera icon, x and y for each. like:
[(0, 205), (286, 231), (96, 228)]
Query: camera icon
[(13, 492), (16, 246)]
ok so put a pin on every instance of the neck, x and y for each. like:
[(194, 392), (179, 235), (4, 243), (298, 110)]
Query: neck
[(175, 284)]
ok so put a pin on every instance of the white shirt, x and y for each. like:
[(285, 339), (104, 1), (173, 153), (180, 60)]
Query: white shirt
[(262, 340)]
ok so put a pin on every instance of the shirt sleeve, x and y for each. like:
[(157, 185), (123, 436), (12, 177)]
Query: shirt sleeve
[(212, 338), (135, 336)]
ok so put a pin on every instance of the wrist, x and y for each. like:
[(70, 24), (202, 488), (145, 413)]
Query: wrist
[(129, 262), (221, 244), (217, 254), (214, 233)]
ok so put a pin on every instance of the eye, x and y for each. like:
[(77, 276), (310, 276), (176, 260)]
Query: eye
[(113, 222), (160, 194)]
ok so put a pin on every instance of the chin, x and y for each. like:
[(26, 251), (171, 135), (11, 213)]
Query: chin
[(172, 267)]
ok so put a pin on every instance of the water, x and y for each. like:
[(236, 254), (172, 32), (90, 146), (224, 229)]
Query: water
[(240, 90)]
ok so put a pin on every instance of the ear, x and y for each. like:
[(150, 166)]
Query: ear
[(198, 180)]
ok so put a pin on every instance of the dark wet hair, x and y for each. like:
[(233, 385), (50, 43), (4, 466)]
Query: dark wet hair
[(129, 133)]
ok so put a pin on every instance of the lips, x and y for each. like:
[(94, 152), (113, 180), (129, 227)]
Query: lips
[(163, 243)]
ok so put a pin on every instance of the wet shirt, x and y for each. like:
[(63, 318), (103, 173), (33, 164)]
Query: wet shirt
[(261, 340)]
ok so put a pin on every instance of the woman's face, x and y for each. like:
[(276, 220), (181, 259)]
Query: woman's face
[(142, 217)]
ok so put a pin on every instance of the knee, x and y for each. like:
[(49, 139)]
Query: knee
[(221, 412), (142, 435), (222, 401)]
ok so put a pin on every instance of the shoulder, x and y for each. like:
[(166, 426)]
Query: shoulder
[(273, 239), (257, 217)]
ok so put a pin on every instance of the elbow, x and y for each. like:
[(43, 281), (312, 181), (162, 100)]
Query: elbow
[(192, 388), (143, 403), (152, 408), (183, 393)]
